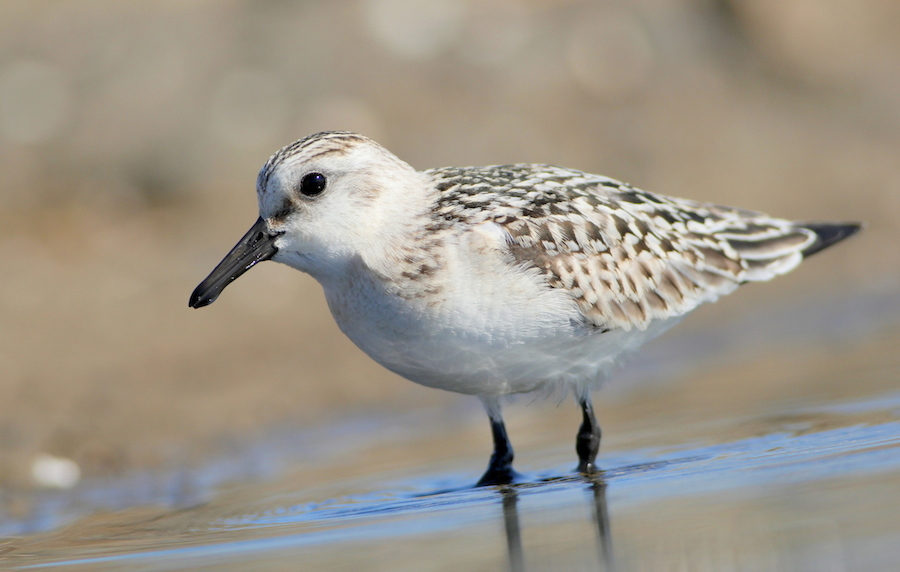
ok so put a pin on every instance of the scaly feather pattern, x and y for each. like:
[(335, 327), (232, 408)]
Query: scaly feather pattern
[(625, 255)]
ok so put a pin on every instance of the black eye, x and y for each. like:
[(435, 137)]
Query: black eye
[(312, 184)]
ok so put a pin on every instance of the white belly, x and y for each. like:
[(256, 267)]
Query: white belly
[(490, 330)]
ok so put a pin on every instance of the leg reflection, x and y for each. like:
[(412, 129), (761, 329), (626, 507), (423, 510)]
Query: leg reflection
[(601, 519), (597, 491), (513, 533)]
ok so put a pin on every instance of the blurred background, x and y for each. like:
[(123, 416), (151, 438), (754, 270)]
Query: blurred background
[(131, 134)]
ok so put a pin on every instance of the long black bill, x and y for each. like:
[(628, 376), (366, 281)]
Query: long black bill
[(257, 245)]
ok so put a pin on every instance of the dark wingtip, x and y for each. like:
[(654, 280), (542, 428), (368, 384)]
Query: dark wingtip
[(828, 233)]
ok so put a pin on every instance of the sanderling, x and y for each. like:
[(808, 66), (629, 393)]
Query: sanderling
[(504, 279)]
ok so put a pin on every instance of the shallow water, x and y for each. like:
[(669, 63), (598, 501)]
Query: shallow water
[(799, 472), (818, 492)]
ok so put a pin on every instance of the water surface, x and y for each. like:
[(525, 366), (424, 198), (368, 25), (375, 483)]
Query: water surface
[(795, 465)]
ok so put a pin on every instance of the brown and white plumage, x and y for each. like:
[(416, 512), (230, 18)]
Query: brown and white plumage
[(501, 279), (627, 256)]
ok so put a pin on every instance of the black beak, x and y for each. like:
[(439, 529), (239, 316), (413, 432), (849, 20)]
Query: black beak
[(257, 245)]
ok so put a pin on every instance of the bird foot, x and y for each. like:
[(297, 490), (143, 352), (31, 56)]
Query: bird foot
[(498, 476), (588, 468)]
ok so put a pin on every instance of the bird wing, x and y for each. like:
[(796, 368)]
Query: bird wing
[(626, 256), (629, 257)]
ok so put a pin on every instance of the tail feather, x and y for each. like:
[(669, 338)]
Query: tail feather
[(828, 233), (782, 246)]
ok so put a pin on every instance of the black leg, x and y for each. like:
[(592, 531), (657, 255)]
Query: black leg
[(587, 444), (499, 471)]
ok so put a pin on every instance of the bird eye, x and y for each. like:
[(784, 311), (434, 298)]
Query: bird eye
[(312, 184)]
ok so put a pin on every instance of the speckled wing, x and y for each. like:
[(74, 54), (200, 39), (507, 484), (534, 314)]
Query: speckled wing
[(627, 256)]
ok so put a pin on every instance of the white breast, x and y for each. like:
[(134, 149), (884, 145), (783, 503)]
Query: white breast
[(491, 327)]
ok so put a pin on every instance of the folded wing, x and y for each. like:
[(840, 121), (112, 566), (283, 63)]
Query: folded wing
[(629, 257)]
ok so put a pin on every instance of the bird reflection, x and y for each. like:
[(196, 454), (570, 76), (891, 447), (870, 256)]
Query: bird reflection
[(601, 520), (596, 497), (513, 533)]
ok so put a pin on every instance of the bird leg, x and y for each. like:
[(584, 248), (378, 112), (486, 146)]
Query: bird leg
[(587, 443), (500, 470)]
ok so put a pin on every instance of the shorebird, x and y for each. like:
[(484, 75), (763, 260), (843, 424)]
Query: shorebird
[(503, 279)]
